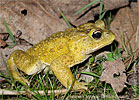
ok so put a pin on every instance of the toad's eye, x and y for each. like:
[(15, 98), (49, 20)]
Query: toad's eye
[(96, 34)]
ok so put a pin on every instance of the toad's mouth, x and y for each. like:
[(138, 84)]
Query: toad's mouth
[(99, 47)]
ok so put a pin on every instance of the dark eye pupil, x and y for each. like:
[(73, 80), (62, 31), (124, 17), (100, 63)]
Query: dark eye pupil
[(96, 34)]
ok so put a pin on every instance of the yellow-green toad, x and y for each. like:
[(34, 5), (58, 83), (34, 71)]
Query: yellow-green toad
[(61, 51)]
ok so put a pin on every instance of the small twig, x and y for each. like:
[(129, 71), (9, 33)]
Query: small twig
[(41, 92)]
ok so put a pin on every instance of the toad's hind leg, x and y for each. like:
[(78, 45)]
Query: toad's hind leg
[(24, 62)]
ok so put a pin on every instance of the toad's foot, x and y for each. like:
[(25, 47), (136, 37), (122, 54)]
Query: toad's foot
[(80, 85)]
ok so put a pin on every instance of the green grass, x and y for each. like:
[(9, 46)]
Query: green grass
[(46, 82), (51, 83), (65, 19), (10, 34), (86, 6), (101, 13), (136, 90)]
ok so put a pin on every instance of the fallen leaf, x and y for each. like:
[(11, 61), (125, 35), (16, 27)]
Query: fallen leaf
[(2, 65), (2, 43), (126, 22), (133, 78), (4, 36), (69, 7), (40, 18), (31, 18), (113, 73)]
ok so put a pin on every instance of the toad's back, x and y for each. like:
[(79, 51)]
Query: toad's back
[(58, 43)]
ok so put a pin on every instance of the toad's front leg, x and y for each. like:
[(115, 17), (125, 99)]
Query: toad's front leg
[(61, 68)]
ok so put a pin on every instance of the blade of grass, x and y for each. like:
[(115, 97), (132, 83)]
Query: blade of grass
[(100, 9), (52, 89), (66, 20), (95, 86), (45, 91), (34, 92), (70, 87), (12, 80), (109, 19), (123, 43), (102, 15), (105, 91), (130, 62), (8, 71), (131, 51), (90, 73), (9, 31), (136, 89), (95, 1), (5, 76)]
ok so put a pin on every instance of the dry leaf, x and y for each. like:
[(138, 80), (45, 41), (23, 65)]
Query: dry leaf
[(2, 65), (4, 36), (40, 18), (126, 22), (69, 7), (133, 79), (2, 43), (110, 70), (29, 16)]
